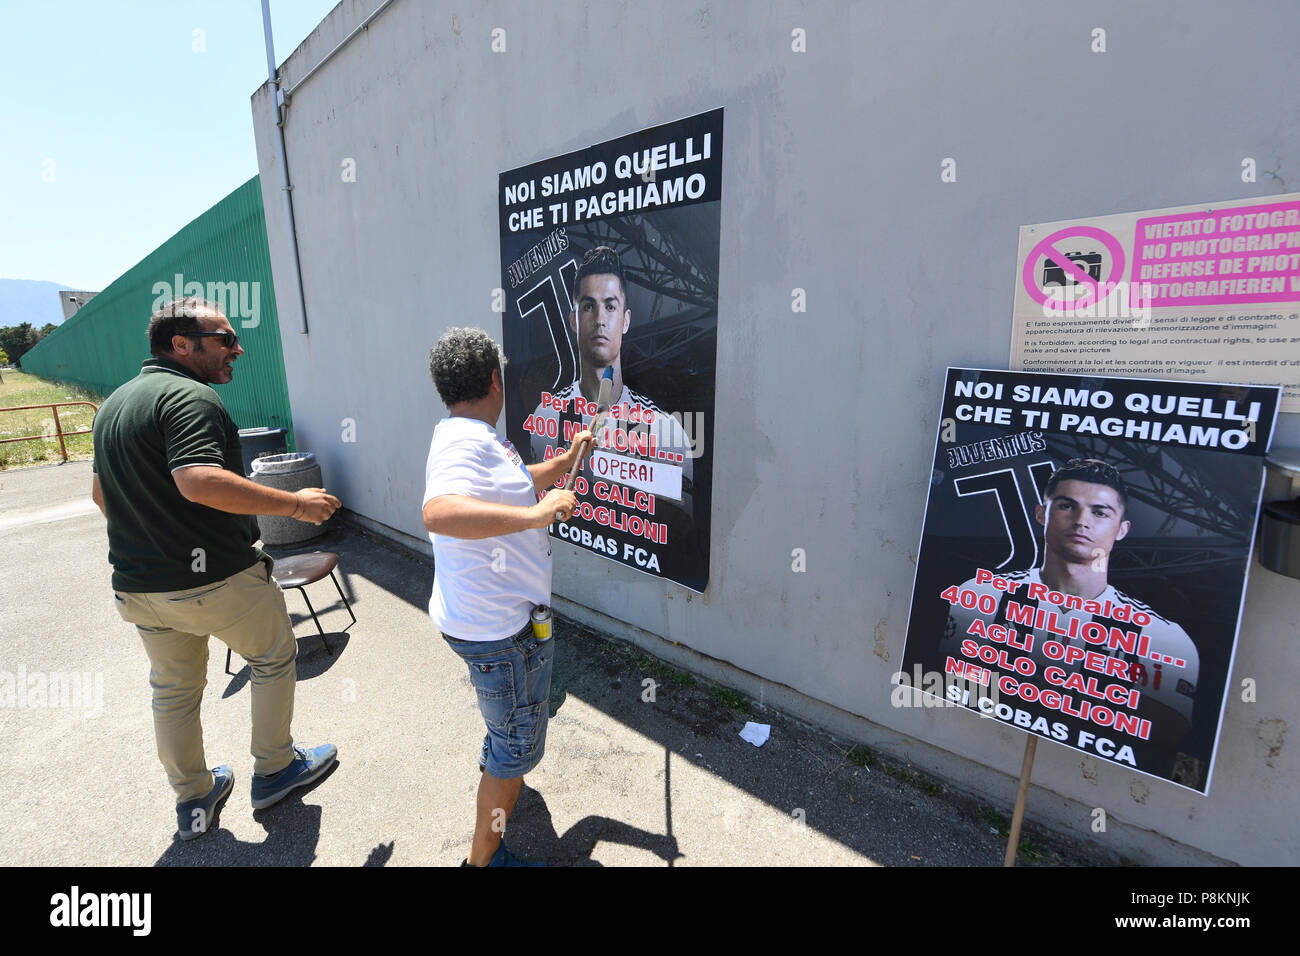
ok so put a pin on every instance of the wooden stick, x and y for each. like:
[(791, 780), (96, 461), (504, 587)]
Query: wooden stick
[(1018, 814), (602, 404)]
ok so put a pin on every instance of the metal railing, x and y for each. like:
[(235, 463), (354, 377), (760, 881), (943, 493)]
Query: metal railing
[(58, 427)]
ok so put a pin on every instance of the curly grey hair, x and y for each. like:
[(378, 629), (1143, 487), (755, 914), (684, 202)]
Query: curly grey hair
[(461, 365)]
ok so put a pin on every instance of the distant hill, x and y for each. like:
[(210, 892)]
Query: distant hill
[(28, 300)]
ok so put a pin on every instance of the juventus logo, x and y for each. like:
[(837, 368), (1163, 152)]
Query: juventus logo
[(1016, 510)]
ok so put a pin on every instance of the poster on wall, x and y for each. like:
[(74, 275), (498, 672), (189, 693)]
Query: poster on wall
[(1083, 559), (1208, 292), (609, 261)]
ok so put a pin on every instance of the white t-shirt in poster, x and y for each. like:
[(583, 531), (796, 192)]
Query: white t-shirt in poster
[(1171, 682), (484, 590)]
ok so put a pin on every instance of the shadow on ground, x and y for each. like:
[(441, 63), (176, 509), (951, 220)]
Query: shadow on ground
[(533, 834), (292, 832), (880, 808)]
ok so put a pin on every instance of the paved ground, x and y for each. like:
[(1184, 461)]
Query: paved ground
[(626, 782)]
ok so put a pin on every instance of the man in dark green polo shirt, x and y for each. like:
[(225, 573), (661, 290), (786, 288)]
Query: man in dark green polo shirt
[(181, 532)]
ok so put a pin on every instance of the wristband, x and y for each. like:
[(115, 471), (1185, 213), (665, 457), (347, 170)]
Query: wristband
[(298, 505)]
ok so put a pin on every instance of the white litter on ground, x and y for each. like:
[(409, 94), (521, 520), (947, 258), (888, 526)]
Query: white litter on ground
[(756, 734)]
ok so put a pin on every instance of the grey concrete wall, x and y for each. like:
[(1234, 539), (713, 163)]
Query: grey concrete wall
[(825, 419), (71, 300)]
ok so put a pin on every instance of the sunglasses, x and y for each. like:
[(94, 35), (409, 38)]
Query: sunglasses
[(228, 339)]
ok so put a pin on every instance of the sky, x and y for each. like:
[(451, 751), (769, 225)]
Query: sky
[(123, 120)]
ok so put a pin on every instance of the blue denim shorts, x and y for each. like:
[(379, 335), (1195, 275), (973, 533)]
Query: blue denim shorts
[(513, 681)]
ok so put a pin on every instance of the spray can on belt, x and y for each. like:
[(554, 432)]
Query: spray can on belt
[(542, 622)]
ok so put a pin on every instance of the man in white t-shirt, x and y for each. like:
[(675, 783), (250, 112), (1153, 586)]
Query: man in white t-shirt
[(487, 519)]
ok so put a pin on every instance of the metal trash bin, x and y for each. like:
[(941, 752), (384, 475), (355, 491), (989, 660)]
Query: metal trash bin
[(256, 442), (291, 472), (1279, 544), (1279, 537)]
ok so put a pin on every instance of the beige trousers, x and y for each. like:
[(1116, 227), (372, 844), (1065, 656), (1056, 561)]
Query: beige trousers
[(247, 612)]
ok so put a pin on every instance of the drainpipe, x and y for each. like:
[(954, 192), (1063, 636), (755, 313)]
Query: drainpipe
[(285, 189)]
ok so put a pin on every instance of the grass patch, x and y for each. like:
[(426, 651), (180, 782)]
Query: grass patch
[(21, 388), (1027, 849), (1031, 851), (730, 698), (861, 756), (913, 777), (664, 673), (995, 820)]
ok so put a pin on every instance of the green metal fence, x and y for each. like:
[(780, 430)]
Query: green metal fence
[(225, 251)]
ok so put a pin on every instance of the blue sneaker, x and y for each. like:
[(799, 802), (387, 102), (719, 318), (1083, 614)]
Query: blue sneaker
[(194, 817), (305, 767), (503, 857)]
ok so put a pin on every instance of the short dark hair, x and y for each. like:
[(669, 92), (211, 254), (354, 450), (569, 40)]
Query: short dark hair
[(176, 318), (1093, 470), (600, 261), (461, 365)]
